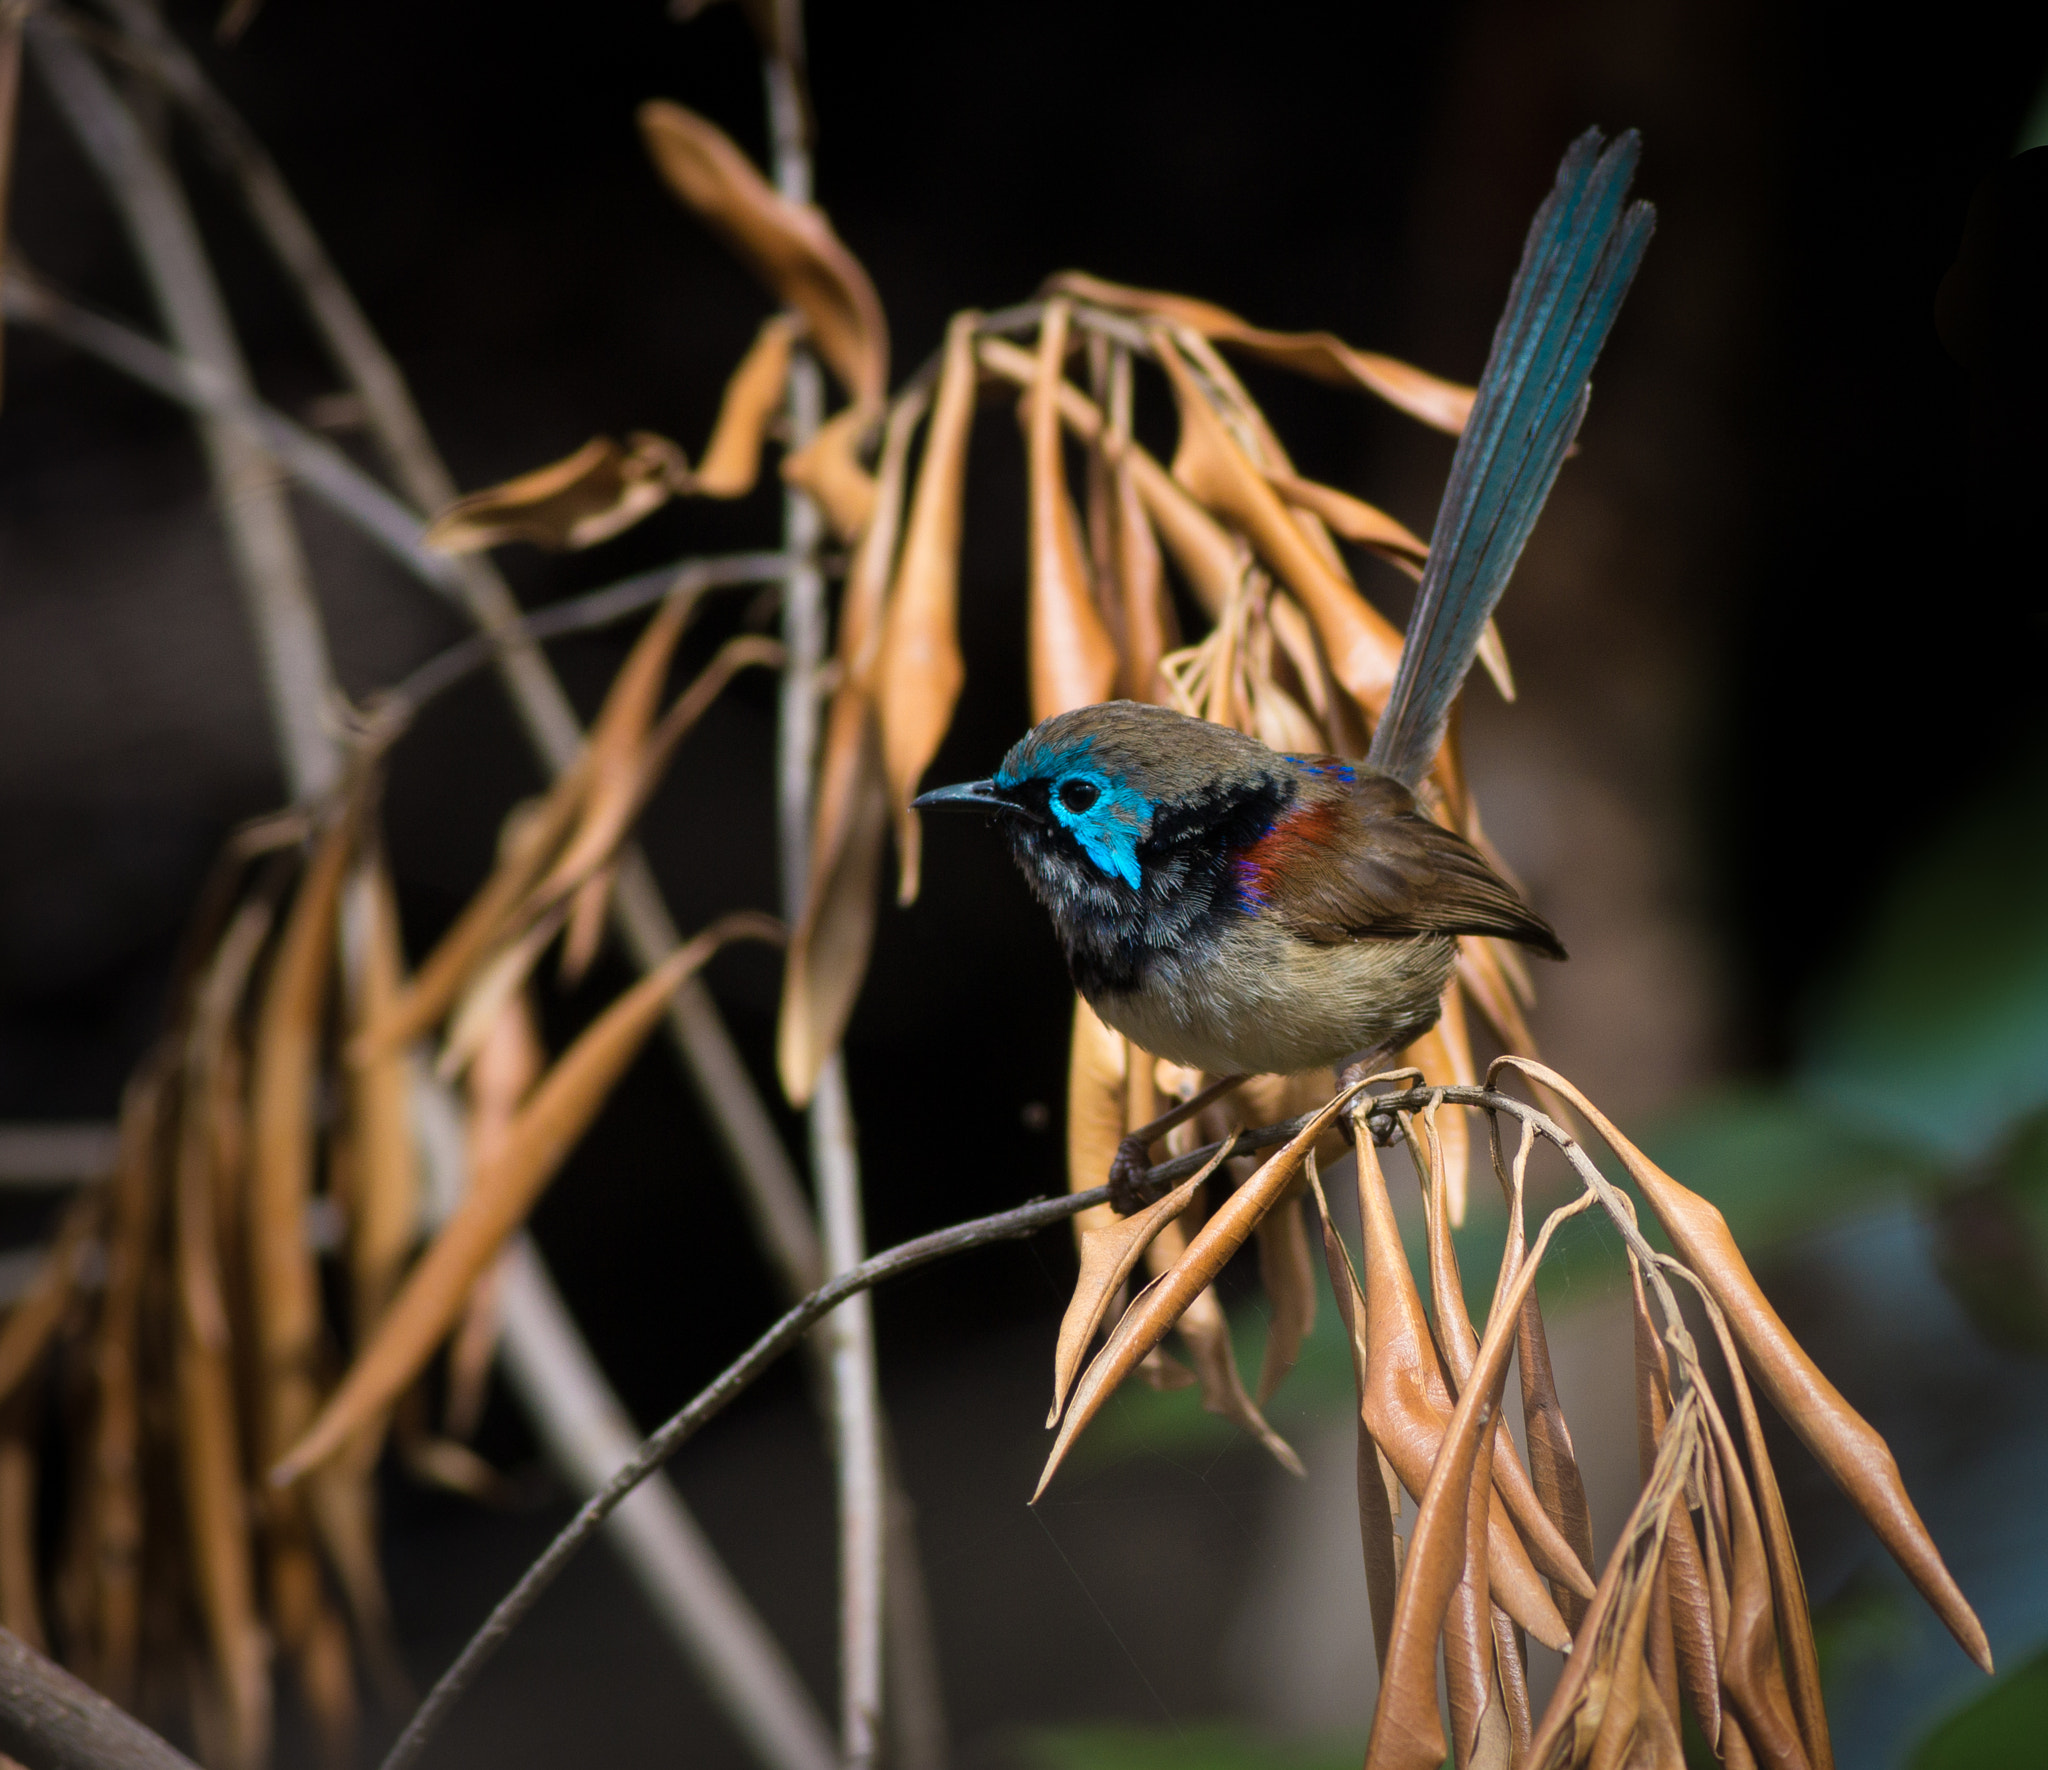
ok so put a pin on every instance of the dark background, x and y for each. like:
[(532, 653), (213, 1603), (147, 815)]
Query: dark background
[(1786, 607)]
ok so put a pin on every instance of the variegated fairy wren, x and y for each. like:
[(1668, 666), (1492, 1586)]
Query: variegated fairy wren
[(1245, 912)]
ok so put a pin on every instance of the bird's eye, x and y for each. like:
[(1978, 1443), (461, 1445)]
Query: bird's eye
[(1077, 796)]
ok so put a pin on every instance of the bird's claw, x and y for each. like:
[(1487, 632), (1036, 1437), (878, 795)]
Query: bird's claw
[(1130, 1188)]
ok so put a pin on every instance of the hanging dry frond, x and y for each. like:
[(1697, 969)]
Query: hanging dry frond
[(600, 491), (828, 467), (753, 397), (500, 1197), (790, 246), (919, 673), (1073, 662), (829, 948)]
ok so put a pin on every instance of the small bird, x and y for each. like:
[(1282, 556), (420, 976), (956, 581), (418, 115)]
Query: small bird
[(1246, 912)]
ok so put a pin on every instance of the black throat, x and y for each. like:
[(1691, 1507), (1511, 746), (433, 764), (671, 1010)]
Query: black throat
[(1112, 932)]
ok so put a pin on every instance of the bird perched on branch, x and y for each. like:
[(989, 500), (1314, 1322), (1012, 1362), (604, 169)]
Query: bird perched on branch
[(1246, 912)]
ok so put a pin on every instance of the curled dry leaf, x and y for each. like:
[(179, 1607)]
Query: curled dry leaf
[(828, 467), (532, 835), (1109, 1253), (1604, 1672), (1444, 1056), (507, 1066), (1379, 1500), (284, 1077), (112, 1523), (1353, 518), (1073, 662), (600, 491), (919, 673), (1847, 1446), (829, 948), (1407, 1404), (1153, 1314), (384, 1162), (1443, 405), (1684, 1569), (1363, 647), (790, 246), (1406, 1732), (34, 1321), (753, 397), (21, 1609), (499, 1198), (1289, 1278), (209, 1434)]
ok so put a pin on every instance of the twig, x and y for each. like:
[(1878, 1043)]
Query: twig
[(51, 1721), (686, 578), (732, 1382), (590, 1437), (848, 1335), (262, 538)]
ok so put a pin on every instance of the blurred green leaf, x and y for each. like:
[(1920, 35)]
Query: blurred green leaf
[(2004, 1729), (1119, 1747), (1940, 1031)]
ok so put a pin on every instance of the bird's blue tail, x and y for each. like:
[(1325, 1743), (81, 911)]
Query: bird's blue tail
[(1580, 257)]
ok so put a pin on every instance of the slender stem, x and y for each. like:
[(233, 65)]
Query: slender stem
[(263, 540), (848, 1334)]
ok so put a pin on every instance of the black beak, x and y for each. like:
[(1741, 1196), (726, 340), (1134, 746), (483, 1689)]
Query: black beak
[(967, 796)]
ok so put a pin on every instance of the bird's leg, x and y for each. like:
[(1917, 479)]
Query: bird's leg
[(1127, 1189)]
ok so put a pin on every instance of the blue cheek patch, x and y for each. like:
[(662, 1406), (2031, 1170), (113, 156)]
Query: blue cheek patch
[(1110, 829)]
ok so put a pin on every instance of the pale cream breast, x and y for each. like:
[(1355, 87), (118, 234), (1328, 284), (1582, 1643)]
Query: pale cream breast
[(1263, 1002)]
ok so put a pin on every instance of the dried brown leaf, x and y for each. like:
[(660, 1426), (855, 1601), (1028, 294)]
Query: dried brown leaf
[(920, 672), (1444, 1056), (1353, 518), (833, 938), (546, 1129), (601, 490), (1153, 1314), (1847, 1446), (1788, 1583), (209, 1433), (1752, 1679), (1443, 405), (1378, 1502), (532, 836), (283, 1085), (1073, 662), (1109, 1252), (385, 1182), (1599, 1699), (828, 467), (753, 397), (1364, 649), (1290, 1284), (1684, 1570), (113, 1511), (1511, 1660), (1408, 1401), (1406, 1733), (790, 246), (21, 1609), (1205, 1330), (1210, 560), (34, 1321), (1553, 1463)]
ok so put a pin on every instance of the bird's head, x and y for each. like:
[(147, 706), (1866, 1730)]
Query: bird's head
[(1112, 809)]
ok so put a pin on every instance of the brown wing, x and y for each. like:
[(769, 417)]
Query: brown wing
[(1351, 861)]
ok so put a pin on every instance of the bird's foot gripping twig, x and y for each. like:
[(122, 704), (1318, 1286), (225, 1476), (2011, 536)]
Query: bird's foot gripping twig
[(1131, 1187)]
